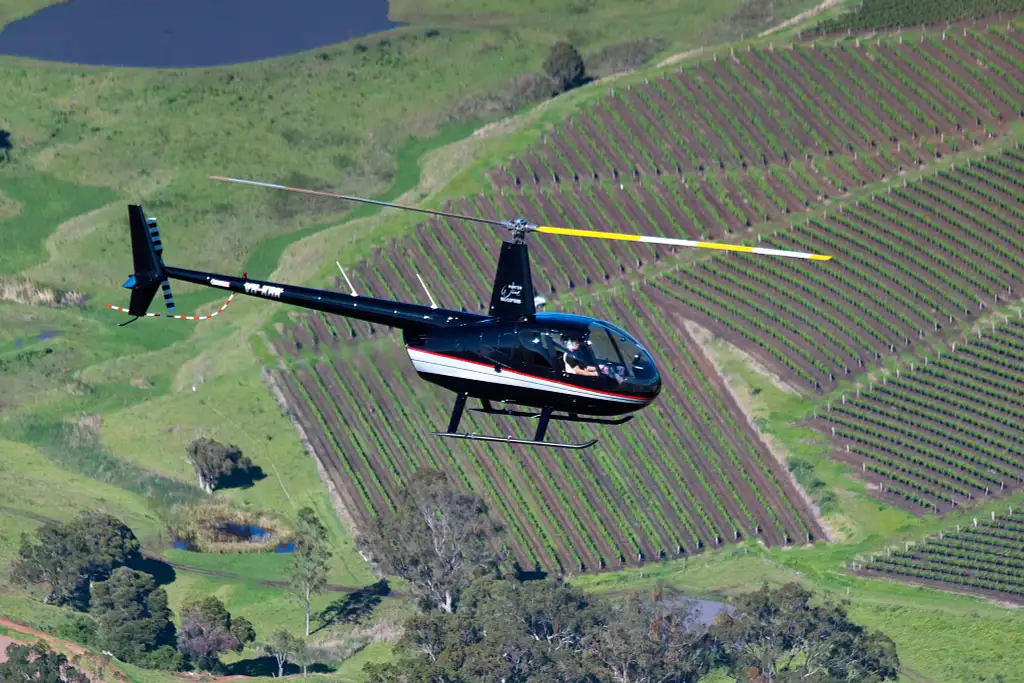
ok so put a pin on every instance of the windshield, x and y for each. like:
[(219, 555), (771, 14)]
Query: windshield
[(637, 361), (606, 351)]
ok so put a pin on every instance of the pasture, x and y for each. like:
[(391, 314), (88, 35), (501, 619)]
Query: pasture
[(726, 480)]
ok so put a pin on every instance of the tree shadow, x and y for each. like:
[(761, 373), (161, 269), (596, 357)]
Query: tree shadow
[(523, 574), (162, 572), (5, 145), (242, 478), (353, 607), (265, 667)]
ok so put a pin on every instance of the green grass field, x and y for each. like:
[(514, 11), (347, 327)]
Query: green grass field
[(391, 121), (387, 116)]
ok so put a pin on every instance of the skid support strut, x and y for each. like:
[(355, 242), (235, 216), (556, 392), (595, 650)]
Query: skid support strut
[(538, 439)]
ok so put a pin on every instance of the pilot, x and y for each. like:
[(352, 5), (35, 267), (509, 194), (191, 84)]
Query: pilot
[(573, 365)]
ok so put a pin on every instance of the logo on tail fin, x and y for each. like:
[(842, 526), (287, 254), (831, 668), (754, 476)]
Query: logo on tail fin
[(512, 294)]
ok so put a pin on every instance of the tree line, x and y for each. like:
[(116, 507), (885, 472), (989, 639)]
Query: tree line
[(479, 618), (94, 566), (479, 621)]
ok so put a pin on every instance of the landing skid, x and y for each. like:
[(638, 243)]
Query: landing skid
[(545, 417), (570, 417), (509, 439)]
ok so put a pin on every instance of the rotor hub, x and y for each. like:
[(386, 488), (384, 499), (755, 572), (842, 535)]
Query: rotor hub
[(519, 227)]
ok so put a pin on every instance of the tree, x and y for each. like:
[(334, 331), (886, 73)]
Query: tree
[(206, 632), (646, 640), (284, 647), (214, 462), (504, 630), (310, 560), (439, 539), (133, 619), (38, 664), (68, 557), (775, 634), (242, 629), (564, 66), (5, 145)]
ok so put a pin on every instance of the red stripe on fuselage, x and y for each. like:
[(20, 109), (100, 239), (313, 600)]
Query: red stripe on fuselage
[(523, 374)]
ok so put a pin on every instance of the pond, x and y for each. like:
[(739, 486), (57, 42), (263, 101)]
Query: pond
[(702, 612), (188, 33), (243, 532)]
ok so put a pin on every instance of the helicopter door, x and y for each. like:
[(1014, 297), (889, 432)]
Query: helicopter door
[(500, 348), (538, 357)]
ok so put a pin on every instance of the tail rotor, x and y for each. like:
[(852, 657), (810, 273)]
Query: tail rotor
[(158, 247)]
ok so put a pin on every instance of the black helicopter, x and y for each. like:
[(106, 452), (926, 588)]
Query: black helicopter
[(576, 365)]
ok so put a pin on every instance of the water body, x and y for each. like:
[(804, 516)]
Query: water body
[(244, 532), (702, 612), (174, 34)]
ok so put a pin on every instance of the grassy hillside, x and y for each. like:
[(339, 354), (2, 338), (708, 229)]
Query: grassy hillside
[(365, 117), (85, 142), (12, 10)]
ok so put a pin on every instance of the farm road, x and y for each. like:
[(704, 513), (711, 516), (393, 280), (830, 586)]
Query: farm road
[(818, 9)]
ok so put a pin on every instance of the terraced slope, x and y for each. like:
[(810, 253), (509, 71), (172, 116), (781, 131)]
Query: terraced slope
[(944, 432), (985, 556)]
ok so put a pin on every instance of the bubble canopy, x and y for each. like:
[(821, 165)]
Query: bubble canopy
[(606, 352)]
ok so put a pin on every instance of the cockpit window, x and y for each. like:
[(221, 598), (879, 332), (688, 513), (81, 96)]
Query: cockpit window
[(620, 357), (575, 355)]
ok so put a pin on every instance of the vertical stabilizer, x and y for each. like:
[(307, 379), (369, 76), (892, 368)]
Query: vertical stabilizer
[(512, 296), (148, 275)]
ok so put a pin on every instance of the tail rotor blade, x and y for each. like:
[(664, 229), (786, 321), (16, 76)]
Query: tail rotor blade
[(573, 232), (168, 297), (158, 248)]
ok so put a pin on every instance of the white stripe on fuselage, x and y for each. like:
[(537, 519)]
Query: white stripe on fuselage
[(436, 364)]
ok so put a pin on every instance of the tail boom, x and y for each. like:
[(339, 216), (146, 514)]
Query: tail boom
[(397, 314)]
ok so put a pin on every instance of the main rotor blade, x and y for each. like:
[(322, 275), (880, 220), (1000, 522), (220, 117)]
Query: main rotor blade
[(679, 243), (335, 195)]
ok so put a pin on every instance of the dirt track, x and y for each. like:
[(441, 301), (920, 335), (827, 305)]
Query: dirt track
[(31, 635)]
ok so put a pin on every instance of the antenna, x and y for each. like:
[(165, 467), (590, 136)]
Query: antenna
[(433, 304), (346, 279)]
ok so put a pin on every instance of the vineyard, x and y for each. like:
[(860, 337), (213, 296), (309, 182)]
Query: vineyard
[(872, 107), (908, 263), (838, 133), (689, 475), (985, 556), (946, 430), (876, 15), (771, 136)]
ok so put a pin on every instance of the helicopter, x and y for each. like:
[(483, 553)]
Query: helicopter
[(568, 367)]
